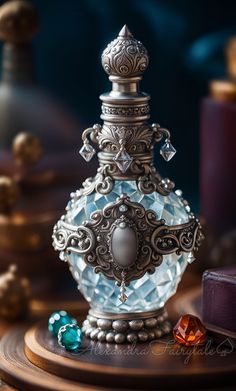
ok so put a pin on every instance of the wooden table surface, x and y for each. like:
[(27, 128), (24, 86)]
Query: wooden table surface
[(175, 306)]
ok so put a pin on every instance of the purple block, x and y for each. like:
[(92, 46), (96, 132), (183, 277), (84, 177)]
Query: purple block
[(219, 298)]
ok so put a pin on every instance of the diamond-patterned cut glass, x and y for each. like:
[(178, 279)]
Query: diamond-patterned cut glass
[(87, 152), (167, 151), (149, 292)]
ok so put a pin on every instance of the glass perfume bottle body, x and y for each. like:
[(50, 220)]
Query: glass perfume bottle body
[(152, 290)]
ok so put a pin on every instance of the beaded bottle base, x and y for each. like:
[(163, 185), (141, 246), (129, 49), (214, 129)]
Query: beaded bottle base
[(130, 328)]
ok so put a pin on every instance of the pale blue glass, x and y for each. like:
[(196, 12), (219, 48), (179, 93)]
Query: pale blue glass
[(149, 292)]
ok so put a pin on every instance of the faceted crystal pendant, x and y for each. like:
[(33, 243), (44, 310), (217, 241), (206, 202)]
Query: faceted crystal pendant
[(123, 297), (189, 331), (123, 160), (87, 152), (191, 257), (167, 151)]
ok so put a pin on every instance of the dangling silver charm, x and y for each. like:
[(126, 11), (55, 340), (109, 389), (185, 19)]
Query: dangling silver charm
[(123, 297), (191, 257), (87, 151), (167, 151)]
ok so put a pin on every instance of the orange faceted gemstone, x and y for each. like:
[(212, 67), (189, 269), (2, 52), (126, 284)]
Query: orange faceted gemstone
[(189, 331)]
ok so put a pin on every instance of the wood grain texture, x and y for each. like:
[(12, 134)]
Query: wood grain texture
[(5, 387), (142, 366), (158, 365), (18, 371)]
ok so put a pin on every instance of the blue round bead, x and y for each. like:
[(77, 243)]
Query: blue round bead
[(70, 337), (58, 319)]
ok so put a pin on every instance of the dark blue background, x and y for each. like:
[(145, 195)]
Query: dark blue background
[(185, 40)]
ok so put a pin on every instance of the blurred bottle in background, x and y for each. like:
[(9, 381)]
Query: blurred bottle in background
[(39, 140)]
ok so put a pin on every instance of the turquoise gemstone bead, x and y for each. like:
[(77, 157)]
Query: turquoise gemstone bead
[(58, 319), (70, 337)]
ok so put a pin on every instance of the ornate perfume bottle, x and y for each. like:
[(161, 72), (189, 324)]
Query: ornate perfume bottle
[(126, 235)]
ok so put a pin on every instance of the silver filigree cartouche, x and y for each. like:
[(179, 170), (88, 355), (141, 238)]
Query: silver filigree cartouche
[(124, 240)]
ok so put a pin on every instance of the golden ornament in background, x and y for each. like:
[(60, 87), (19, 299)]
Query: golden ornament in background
[(9, 193), (14, 295), (19, 21), (27, 149)]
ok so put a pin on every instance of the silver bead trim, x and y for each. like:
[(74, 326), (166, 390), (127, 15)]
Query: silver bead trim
[(126, 329)]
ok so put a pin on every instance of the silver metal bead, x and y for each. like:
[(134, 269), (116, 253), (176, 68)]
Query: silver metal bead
[(166, 328), (136, 324), (101, 336), (120, 338), (160, 319), (104, 324), (110, 337), (158, 333), (92, 320), (120, 325), (179, 192), (188, 209), (165, 315), (151, 335), (94, 333), (143, 336), (150, 323), (132, 337), (88, 331)]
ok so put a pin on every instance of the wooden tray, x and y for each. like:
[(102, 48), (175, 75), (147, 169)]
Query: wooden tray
[(40, 364)]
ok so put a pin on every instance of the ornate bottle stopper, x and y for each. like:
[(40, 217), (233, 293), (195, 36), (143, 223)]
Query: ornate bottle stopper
[(126, 235), (126, 139)]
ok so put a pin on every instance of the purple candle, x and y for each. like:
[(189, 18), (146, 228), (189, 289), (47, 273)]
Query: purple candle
[(218, 150)]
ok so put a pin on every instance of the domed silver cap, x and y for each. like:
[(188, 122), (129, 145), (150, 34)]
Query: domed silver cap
[(125, 56)]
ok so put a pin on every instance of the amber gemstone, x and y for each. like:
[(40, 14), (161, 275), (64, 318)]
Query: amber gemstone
[(189, 331)]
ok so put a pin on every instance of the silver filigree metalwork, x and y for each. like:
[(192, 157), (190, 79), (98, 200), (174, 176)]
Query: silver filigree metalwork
[(126, 139), (137, 138), (68, 238), (129, 111), (124, 240), (125, 56)]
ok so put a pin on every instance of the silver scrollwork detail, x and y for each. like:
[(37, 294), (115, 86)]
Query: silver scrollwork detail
[(125, 56), (137, 139), (123, 241), (148, 179), (69, 238), (128, 111)]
